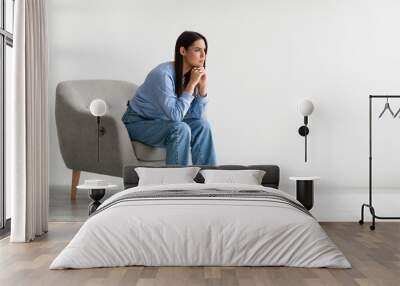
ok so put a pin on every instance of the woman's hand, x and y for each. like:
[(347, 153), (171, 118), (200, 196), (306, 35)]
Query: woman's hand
[(197, 75), (203, 83)]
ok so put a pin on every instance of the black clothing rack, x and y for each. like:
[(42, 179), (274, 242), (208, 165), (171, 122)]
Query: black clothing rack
[(369, 205)]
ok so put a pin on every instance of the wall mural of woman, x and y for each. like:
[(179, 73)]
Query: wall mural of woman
[(168, 108)]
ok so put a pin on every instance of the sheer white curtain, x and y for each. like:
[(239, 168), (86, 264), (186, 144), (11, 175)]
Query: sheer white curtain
[(28, 122)]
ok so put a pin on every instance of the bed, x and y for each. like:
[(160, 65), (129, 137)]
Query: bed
[(201, 224)]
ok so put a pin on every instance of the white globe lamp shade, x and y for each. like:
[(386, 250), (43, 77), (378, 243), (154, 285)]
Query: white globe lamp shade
[(306, 107), (98, 107)]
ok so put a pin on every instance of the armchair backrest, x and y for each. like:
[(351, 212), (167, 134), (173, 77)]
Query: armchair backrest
[(76, 126), (79, 94)]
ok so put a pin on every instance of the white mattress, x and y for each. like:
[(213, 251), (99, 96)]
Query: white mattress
[(200, 231)]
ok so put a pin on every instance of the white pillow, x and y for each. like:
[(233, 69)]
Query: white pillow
[(249, 177), (162, 176)]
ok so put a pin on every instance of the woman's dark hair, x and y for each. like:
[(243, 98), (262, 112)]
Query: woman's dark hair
[(186, 39)]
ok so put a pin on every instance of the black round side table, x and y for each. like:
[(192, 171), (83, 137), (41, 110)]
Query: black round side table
[(96, 193), (305, 190)]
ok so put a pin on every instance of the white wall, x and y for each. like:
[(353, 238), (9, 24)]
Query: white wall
[(264, 57)]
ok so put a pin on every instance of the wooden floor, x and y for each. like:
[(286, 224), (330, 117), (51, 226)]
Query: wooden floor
[(374, 255)]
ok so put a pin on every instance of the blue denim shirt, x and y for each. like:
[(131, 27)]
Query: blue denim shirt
[(156, 97)]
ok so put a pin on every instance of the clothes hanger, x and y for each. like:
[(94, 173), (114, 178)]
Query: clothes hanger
[(387, 107), (398, 111)]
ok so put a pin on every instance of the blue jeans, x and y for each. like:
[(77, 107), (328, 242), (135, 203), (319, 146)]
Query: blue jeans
[(180, 138)]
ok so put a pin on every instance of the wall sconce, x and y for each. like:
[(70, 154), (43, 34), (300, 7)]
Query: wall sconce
[(98, 108), (306, 107)]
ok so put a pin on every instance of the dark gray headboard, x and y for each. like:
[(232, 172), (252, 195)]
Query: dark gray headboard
[(270, 179)]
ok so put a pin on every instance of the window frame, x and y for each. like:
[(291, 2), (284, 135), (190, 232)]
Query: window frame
[(6, 39)]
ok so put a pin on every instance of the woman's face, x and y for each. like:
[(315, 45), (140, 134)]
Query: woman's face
[(195, 55)]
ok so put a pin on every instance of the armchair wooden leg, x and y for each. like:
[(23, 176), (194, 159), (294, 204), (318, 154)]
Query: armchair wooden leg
[(75, 181)]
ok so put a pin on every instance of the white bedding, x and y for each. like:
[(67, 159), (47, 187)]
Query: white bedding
[(200, 231)]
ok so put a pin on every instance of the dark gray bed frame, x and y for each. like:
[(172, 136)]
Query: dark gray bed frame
[(270, 179)]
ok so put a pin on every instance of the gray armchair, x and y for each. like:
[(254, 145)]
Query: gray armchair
[(77, 135)]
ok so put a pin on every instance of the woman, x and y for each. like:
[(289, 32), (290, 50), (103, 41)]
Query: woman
[(168, 108)]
